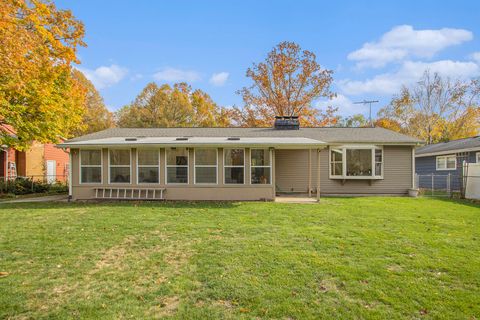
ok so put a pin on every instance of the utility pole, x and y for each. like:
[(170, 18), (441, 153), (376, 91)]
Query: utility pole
[(369, 102)]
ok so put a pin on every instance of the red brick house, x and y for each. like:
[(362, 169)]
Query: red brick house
[(42, 161)]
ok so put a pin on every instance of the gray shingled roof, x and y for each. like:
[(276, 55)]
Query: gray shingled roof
[(451, 146), (328, 135)]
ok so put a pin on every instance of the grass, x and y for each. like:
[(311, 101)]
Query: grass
[(373, 258)]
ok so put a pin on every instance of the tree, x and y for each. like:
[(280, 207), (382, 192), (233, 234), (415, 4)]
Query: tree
[(356, 120), (285, 84), (388, 124), (177, 106), (436, 109), (96, 116), (38, 96)]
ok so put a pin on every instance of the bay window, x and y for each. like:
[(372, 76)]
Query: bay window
[(447, 162), (364, 162), (206, 166), (90, 166), (177, 165), (119, 165), (260, 166), (148, 166), (234, 166)]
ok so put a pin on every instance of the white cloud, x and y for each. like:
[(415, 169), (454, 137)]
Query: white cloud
[(404, 42), (476, 56), (345, 106), (136, 77), (176, 75), (409, 72), (219, 79), (105, 76)]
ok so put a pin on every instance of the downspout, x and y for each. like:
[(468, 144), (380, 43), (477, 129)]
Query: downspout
[(70, 175), (413, 168)]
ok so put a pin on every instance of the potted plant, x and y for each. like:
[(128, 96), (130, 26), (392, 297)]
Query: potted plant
[(413, 193)]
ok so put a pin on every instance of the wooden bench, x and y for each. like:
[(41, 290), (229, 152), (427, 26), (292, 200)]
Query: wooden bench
[(126, 193)]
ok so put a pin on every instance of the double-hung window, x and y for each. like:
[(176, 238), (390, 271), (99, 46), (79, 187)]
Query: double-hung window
[(90, 166), (119, 165), (364, 162), (206, 166), (148, 166), (447, 162), (260, 166), (234, 166), (177, 165)]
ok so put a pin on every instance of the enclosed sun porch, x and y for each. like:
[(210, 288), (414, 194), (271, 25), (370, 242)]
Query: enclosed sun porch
[(191, 168)]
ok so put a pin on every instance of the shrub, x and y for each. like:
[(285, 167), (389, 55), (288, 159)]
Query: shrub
[(22, 185)]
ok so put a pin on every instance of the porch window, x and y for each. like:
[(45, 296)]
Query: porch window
[(119, 165), (206, 166), (148, 166), (234, 166), (336, 162), (356, 162), (90, 166), (260, 166), (446, 162), (177, 165)]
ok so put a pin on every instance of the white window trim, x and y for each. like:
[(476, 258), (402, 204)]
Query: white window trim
[(228, 166), (177, 166), (269, 166), (344, 162), (446, 163), (89, 166), (147, 166), (477, 157), (119, 166), (195, 166)]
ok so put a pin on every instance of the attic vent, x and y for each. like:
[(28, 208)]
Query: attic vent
[(286, 123), (182, 139), (233, 138), (130, 139)]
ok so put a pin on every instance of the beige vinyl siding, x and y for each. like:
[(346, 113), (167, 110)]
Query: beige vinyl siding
[(397, 177), (291, 171)]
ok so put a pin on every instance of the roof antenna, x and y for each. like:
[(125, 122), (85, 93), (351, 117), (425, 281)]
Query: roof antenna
[(369, 102)]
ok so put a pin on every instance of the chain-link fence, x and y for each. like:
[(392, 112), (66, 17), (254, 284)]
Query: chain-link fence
[(439, 185), (34, 184)]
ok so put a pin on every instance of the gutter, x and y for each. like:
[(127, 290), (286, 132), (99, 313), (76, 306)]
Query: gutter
[(446, 152)]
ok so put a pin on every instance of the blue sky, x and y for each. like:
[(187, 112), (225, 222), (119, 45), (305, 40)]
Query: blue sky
[(373, 47)]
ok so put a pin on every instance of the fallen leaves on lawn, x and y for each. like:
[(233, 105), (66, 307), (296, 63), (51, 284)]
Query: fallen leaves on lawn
[(3, 274)]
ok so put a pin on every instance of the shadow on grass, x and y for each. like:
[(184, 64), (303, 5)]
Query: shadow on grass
[(465, 202), (121, 204)]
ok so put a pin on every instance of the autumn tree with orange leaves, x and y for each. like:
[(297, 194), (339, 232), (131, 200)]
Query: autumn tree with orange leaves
[(286, 84), (38, 96), (177, 106), (435, 109)]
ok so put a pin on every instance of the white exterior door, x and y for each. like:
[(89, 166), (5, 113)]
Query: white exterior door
[(51, 171)]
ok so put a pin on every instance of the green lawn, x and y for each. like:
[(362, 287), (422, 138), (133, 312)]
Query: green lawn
[(346, 258)]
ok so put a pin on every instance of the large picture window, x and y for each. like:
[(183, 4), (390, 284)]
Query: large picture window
[(119, 165), (90, 166), (206, 166), (148, 166), (359, 162), (260, 166), (177, 165), (447, 162), (234, 166), (356, 162)]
